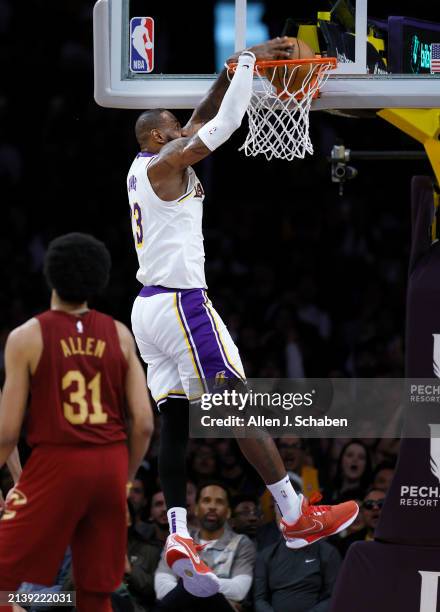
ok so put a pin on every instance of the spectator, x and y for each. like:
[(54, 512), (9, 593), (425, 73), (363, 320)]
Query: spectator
[(191, 495), (140, 564), (232, 471), (159, 521), (387, 449), (331, 451), (156, 530), (203, 464), (294, 357), (383, 475), (371, 509), (246, 515), (293, 451), (353, 470), (139, 502), (301, 580), (230, 555), (308, 309), (267, 507)]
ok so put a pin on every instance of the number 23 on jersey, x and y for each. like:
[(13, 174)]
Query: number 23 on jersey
[(138, 230)]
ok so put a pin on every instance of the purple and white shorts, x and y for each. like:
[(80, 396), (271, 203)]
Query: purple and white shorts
[(183, 341)]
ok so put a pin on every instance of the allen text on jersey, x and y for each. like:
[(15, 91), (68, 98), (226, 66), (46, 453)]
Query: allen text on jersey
[(82, 346)]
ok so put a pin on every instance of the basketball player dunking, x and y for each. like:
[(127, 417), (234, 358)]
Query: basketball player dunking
[(85, 382), (179, 334)]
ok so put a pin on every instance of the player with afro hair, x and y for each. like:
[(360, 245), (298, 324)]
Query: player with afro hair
[(77, 266)]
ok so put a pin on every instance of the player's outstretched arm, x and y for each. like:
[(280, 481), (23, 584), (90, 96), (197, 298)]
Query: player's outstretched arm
[(15, 391), (140, 414), (180, 153), (277, 48)]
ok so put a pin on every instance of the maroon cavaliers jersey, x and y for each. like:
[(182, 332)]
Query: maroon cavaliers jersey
[(78, 389)]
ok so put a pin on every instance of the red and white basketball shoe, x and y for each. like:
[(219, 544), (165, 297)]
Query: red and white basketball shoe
[(317, 522), (182, 556)]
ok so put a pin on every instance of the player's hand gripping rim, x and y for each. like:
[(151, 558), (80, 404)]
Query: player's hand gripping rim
[(275, 49)]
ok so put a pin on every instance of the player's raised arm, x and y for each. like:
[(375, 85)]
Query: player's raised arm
[(15, 391), (140, 414), (277, 48), (180, 153)]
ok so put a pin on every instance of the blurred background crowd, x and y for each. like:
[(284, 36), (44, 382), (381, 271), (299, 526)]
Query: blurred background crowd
[(310, 283), (233, 515)]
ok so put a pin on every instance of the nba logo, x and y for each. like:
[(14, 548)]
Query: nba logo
[(141, 44)]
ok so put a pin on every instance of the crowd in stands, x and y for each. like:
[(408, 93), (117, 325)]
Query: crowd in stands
[(282, 579), (235, 519)]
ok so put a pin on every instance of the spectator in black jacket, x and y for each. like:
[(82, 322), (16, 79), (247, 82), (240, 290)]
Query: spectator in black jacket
[(300, 580), (370, 509), (141, 562), (246, 515)]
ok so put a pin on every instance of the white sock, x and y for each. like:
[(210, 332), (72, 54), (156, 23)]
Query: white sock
[(177, 521), (286, 499)]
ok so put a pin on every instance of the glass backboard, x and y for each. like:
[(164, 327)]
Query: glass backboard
[(155, 54)]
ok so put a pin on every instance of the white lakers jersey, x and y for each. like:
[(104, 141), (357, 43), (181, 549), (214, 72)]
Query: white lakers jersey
[(167, 235)]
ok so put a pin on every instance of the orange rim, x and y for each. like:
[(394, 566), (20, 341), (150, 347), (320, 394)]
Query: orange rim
[(330, 62)]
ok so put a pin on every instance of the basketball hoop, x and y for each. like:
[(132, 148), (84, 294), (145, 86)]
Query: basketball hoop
[(279, 109)]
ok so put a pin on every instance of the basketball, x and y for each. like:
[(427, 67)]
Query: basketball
[(292, 77)]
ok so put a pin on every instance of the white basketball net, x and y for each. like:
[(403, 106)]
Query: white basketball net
[(279, 120)]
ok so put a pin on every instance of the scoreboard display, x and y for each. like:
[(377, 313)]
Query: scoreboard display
[(409, 45)]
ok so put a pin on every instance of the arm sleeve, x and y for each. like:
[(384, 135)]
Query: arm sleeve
[(235, 588), (330, 566), (261, 588), (244, 562), (164, 580), (233, 107)]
